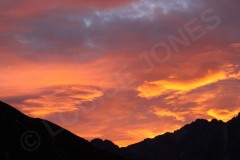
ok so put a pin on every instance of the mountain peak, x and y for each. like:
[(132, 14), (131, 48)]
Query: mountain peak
[(98, 140), (3, 104), (201, 121), (23, 137), (9, 112), (238, 115), (106, 145), (5, 107)]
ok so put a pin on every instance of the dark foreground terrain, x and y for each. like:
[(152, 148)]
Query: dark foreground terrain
[(200, 140), (26, 138)]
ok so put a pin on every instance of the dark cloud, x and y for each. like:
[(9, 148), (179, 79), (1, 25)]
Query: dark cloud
[(110, 48)]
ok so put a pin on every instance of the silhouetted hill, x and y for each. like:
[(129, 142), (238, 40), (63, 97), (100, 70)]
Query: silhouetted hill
[(26, 138), (105, 145), (200, 140)]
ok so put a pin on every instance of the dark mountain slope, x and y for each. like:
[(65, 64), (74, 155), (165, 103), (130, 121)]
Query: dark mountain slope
[(25, 138), (200, 140), (105, 145)]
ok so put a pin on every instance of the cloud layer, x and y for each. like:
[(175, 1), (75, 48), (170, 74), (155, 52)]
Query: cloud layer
[(121, 70)]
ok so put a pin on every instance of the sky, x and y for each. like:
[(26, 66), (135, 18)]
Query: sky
[(121, 70)]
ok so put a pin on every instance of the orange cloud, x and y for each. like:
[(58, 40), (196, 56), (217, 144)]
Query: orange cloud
[(162, 112), (140, 134), (28, 78), (60, 58), (65, 99), (160, 87), (177, 85), (223, 114)]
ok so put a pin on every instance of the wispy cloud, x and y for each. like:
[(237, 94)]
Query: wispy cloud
[(98, 67), (178, 85), (62, 100)]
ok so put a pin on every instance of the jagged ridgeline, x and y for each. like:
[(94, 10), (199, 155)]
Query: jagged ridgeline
[(26, 138)]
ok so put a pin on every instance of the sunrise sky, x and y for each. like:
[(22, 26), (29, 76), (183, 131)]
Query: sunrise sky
[(123, 70)]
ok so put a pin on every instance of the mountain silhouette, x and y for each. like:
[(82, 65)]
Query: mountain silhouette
[(26, 138), (199, 140), (105, 145)]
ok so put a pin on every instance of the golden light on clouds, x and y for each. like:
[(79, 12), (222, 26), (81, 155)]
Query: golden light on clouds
[(223, 114), (130, 70), (160, 87), (65, 99), (139, 134), (163, 112), (34, 78)]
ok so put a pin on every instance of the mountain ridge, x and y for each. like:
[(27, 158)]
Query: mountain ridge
[(23, 137), (198, 140)]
